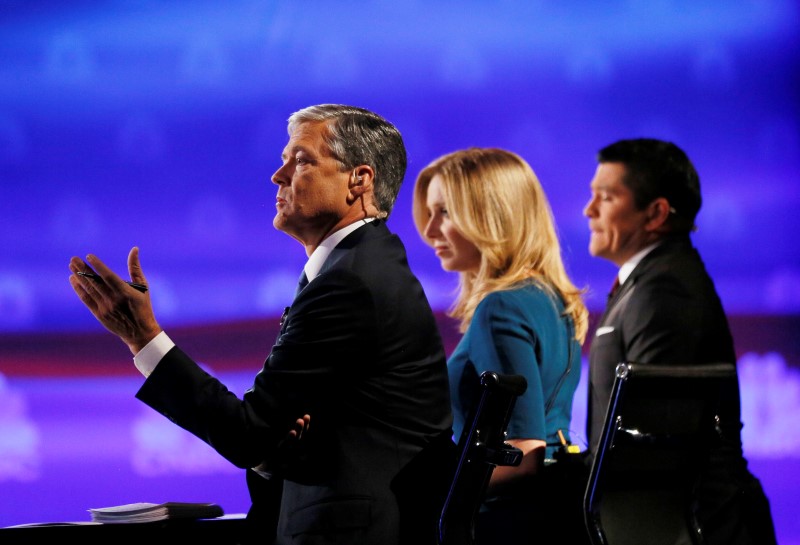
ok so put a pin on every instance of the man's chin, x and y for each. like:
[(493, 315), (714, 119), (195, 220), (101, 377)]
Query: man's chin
[(601, 253), (279, 222)]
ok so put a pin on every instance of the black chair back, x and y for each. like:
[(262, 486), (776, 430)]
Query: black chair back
[(659, 428), (481, 448)]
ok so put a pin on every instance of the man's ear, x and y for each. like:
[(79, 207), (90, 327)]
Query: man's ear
[(361, 179), (658, 213)]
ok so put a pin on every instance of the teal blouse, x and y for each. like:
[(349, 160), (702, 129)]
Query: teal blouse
[(522, 331)]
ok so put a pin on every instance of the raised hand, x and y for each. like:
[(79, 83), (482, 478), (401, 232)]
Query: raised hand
[(123, 309)]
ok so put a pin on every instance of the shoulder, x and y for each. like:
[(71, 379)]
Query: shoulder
[(365, 246), (374, 232), (671, 273), (360, 250), (673, 258), (527, 301)]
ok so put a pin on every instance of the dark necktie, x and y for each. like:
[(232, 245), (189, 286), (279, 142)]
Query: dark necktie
[(614, 287), (302, 283)]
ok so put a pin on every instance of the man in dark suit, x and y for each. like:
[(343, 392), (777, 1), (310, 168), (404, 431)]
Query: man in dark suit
[(358, 351), (664, 309)]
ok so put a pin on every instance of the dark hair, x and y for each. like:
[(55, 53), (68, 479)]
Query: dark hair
[(656, 168), (360, 137)]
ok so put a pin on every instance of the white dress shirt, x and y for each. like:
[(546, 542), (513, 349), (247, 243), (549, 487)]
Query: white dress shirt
[(627, 267)]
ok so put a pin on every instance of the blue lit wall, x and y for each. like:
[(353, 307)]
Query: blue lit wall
[(158, 123)]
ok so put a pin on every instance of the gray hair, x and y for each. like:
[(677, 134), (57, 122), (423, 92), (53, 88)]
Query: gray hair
[(360, 137)]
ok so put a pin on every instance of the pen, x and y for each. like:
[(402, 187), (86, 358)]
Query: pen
[(572, 449), (141, 287)]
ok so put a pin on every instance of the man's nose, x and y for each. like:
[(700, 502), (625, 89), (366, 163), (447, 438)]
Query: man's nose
[(588, 210), (280, 177)]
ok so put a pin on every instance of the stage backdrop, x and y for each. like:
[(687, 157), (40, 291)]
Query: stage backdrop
[(159, 123)]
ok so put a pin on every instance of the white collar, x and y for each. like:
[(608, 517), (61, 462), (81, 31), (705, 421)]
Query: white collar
[(321, 252), (627, 267)]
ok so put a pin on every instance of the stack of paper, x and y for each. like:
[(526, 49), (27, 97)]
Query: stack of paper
[(150, 512)]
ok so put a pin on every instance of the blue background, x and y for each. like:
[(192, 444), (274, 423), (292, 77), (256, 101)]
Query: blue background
[(159, 124)]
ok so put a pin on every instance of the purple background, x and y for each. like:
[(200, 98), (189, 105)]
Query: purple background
[(159, 123)]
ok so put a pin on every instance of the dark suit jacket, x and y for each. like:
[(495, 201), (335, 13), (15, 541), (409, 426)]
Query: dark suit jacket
[(668, 312), (360, 352)]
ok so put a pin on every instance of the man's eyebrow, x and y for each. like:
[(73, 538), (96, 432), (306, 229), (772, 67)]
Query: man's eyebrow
[(294, 149)]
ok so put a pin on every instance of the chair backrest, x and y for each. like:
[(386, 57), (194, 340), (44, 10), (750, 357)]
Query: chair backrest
[(661, 422), (481, 448)]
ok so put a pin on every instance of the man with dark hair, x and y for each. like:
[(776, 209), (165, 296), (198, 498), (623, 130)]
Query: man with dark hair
[(358, 351), (664, 309)]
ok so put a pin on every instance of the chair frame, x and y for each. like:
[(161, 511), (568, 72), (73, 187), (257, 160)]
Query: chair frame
[(659, 427), (481, 448)]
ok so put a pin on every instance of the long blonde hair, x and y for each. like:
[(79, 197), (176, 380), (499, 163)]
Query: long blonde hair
[(495, 200)]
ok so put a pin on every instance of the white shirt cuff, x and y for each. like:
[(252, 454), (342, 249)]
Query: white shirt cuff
[(265, 474), (149, 356)]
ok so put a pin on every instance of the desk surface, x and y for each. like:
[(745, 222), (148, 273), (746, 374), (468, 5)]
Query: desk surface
[(221, 531)]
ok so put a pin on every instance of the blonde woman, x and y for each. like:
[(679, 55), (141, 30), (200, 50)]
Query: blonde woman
[(486, 216)]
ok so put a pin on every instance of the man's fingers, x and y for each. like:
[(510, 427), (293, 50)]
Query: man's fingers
[(303, 424), (300, 427), (100, 267), (135, 267), (86, 291)]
